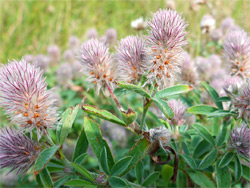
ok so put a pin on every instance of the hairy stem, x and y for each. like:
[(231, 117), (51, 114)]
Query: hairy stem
[(114, 97)]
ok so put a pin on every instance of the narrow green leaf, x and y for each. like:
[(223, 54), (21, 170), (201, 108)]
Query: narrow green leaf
[(139, 172), (81, 145), (226, 159), (121, 166), (208, 159), (135, 89), (163, 106), (223, 99), (96, 141), (61, 181), (46, 178), (151, 179), (103, 114), (44, 158), (104, 161), (202, 148), (79, 183), (201, 180), (67, 123), (238, 168), (204, 133), (174, 90), (223, 177), (82, 171), (221, 113), (137, 152), (189, 160), (245, 170), (213, 94), (201, 109), (80, 158), (117, 182), (220, 139)]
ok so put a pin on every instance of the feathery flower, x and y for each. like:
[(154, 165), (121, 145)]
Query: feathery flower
[(54, 53), (216, 35), (17, 151), (240, 140), (179, 109), (74, 42), (162, 134), (69, 55), (130, 52), (64, 75), (232, 85), (92, 33), (237, 52), (97, 64), (25, 98), (207, 24), (111, 36), (165, 41), (42, 61), (227, 24)]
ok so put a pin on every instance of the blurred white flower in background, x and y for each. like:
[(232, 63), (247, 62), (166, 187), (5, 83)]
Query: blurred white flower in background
[(139, 24), (207, 24)]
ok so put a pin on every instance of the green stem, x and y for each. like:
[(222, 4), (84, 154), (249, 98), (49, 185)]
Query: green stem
[(146, 105)]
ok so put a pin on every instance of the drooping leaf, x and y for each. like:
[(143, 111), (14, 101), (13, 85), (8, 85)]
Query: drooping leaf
[(139, 172), (151, 179), (96, 141), (117, 182), (104, 114), (46, 178), (213, 94), (226, 159), (67, 124), (204, 133), (163, 106), (201, 109), (120, 166), (174, 90), (82, 171), (44, 158), (79, 183), (135, 89), (200, 179), (208, 159)]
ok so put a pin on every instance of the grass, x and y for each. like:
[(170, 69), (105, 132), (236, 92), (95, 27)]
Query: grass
[(28, 27)]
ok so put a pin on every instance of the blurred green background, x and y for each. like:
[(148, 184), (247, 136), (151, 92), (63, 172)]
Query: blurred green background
[(28, 27)]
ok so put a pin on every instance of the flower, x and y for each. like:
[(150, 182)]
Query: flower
[(92, 33), (69, 55), (237, 52), (54, 53), (74, 42), (42, 61), (162, 134), (179, 109), (111, 36), (207, 23), (170, 4), (232, 85), (17, 151), (25, 98), (97, 64), (64, 75), (240, 140), (227, 24), (165, 41), (138, 24), (216, 35), (130, 52)]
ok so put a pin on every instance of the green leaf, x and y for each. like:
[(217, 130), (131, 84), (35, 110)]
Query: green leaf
[(82, 171), (139, 150), (201, 109), (213, 94), (80, 158), (79, 183), (44, 158), (104, 161), (139, 170), (201, 148), (61, 181), (245, 170), (208, 159), (120, 166), (238, 168), (81, 145), (163, 106), (226, 159), (45, 178), (189, 160), (103, 114), (120, 91), (204, 133), (166, 173), (117, 182), (96, 141), (135, 89), (151, 179), (174, 90), (129, 116), (223, 177), (222, 134), (223, 99), (221, 113), (67, 123), (200, 179)]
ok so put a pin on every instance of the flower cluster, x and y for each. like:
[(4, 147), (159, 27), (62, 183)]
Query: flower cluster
[(165, 41), (161, 134), (25, 98)]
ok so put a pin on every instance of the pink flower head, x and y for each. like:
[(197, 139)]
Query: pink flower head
[(25, 98), (165, 41), (179, 109), (97, 63), (237, 52), (130, 52)]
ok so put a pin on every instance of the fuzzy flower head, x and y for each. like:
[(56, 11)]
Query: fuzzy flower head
[(25, 98), (237, 52), (138, 24), (227, 24), (54, 53), (162, 134), (130, 52), (207, 24), (232, 85), (42, 61), (17, 151), (74, 42), (92, 33), (64, 75), (240, 140), (179, 110), (165, 41), (111, 36), (97, 64)]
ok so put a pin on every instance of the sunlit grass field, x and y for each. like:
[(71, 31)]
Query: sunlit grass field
[(28, 27)]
